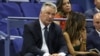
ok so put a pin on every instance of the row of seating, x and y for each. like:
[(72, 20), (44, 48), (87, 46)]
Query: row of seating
[(19, 10), (26, 9), (22, 10), (16, 41), (9, 9), (12, 50), (17, 0), (85, 4), (32, 1)]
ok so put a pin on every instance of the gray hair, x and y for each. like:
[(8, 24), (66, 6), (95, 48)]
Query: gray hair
[(97, 15), (49, 4)]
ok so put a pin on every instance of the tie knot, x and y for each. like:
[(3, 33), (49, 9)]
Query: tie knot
[(45, 27)]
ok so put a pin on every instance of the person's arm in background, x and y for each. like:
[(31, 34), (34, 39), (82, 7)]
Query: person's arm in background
[(68, 42), (83, 40)]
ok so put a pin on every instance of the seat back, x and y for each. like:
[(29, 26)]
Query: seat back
[(10, 9), (18, 1), (77, 8), (0, 1), (3, 27), (2, 11), (17, 42), (4, 44), (31, 9), (18, 22)]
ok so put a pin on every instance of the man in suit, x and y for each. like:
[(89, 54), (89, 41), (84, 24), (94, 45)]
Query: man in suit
[(89, 15), (35, 42), (93, 39)]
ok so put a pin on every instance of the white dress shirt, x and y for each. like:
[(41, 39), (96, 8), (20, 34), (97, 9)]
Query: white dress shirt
[(97, 10), (44, 45), (98, 32)]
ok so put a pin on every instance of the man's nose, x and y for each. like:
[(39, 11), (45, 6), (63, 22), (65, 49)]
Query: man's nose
[(50, 16)]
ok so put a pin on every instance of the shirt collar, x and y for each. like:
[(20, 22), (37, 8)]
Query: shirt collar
[(98, 32), (42, 25), (97, 10)]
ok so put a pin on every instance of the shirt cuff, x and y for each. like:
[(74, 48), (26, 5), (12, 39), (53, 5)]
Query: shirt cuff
[(62, 54), (46, 54)]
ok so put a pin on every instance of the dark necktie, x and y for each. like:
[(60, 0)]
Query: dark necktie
[(46, 33)]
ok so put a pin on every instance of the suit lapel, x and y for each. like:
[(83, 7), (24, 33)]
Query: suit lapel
[(96, 34), (95, 11), (38, 32)]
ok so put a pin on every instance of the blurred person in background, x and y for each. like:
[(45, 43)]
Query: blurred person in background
[(64, 11), (93, 39), (89, 15), (75, 35)]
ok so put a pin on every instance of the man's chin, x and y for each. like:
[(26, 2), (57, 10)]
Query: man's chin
[(49, 22), (99, 30)]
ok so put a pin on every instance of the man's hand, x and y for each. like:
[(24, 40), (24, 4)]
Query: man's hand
[(55, 54)]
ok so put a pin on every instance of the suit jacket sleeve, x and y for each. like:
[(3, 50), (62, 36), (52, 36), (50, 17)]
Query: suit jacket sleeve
[(29, 45), (61, 41)]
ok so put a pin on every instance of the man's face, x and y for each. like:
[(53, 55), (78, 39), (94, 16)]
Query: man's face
[(66, 6), (47, 15), (96, 22), (97, 3)]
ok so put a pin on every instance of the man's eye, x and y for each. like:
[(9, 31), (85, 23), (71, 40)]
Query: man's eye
[(97, 22), (48, 13)]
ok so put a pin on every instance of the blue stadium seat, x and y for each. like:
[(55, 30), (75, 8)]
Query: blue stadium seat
[(17, 22), (33, 1), (77, 8), (85, 4), (18, 1), (12, 9), (2, 11), (31, 9), (2, 45), (0, 0), (3, 27), (9, 9), (17, 42)]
